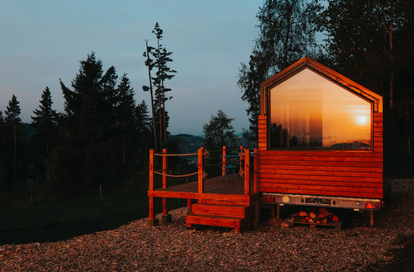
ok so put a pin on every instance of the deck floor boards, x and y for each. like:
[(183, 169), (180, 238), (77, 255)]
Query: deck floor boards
[(216, 185)]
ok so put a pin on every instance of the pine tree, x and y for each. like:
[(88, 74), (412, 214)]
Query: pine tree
[(88, 149), (143, 132), (150, 64), (3, 143), (219, 132), (126, 117), (159, 61), (13, 119), (45, 124), (166, 73)]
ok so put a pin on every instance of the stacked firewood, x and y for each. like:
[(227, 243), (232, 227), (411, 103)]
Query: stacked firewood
[(319, 216)]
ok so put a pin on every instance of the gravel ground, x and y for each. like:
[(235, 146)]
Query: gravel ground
[(138, 247)]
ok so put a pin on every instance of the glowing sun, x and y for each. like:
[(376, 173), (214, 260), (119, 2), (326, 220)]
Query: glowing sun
[(362, 120)]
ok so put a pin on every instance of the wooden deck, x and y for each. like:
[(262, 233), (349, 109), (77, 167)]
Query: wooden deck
[(221, 202), (216, 188), (216, 185)]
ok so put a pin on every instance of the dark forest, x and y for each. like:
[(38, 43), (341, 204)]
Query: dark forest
[(103, 136)]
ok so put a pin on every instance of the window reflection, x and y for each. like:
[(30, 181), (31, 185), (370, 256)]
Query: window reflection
[(309, 111)]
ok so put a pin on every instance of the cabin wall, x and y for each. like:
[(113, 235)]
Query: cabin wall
[(323, 173)]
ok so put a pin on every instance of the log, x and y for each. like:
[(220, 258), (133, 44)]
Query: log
[(325, 214), (314, 213), (302, 213)]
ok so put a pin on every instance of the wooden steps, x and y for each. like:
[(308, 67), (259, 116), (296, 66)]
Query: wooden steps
[(231, 214)]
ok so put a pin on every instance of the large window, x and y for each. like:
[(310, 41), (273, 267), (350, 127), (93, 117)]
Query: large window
[(309, 111)]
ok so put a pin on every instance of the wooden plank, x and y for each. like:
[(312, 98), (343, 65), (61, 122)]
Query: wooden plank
[(224, 197), (220, 221), (164, 168), (151, 207), (328, 178), (378, 114), (262, 130), (164, 206), (200, 171), (262, 140), (220, 202), (262, 146), (223, 161), (333, 153), (322, 163), (268, 182), (321, 193), (247, 172), (320, 168), (378, 145), (224, 210), (262, 136), (321, 173), (378, 139), (265, 159), (379, 150), (321, 187), (312, 225)]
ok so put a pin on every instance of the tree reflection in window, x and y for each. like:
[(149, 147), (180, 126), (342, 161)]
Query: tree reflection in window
[(309, 111)]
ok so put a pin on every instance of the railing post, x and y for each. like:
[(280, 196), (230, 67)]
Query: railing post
[(151, 220), (223, 160), (246, 172), (165, 218), (256, 171), (200, 170), (164, 168), (189, 208), (241, 159), (151, 170)]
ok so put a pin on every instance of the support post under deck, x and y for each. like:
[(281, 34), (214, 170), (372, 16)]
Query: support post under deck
[(371, 218), (151, 220), (165, 217)]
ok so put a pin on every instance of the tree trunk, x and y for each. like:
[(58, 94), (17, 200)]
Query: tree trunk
[(164, 117), (408, 122), (152, 99), (159, 93), (47, 152), (124, 148), (288, 18), (15, 151), (390, 32)]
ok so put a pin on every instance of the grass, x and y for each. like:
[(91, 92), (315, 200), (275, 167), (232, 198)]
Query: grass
[(67, 219)]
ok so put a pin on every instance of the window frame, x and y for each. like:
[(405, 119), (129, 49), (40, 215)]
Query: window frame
[(268, 92)]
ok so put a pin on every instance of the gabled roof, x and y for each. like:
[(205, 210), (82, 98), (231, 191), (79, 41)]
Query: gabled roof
[(324, 71)]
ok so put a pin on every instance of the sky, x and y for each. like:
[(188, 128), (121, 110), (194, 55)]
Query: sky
[(43, 41)]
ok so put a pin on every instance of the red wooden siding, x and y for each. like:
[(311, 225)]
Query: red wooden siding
[(262, 135), (325, 173)]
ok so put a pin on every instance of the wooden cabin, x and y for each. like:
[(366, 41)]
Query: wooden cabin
[(320, 144), (320, 139)]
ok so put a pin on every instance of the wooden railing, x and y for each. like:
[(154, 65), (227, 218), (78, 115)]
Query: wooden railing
[(244, 156)]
